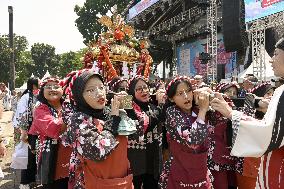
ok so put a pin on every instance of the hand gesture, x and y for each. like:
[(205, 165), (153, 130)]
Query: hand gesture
[(115, 106), (161, 96), (203, 101), (220, 105), (263, 104), (199, 91), (24, 136)]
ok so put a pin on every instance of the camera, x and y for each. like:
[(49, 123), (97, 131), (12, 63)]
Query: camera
[(238, 102), (211, 96), (125, 102)]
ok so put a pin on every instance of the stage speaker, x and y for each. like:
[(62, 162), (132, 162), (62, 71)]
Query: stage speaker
[(271, 38), (233, 15), (220, 72)]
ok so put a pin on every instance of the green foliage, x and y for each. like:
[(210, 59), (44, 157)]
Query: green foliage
[(45, 59), (25, 68), (40, 59), (69, 61), (87, 21), (20, 45), (4, 59)]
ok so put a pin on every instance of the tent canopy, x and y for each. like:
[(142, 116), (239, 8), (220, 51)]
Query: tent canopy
[(269, 74), (46, 75)]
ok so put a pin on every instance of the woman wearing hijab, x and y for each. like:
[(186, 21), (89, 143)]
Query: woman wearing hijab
[(99, 158), (261, 138), (145, 147)]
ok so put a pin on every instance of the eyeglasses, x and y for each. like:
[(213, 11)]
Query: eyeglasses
[(96, 91), (121, 89), (184, 92), (52, 87), (142, 88)]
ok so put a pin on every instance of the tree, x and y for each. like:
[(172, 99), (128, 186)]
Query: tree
[(4, 59), (69, 61), (25, 68), (87, 20), (44, 59), (20, 45)]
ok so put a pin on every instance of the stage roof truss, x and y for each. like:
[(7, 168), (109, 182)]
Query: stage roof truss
[(212, 45), (256, 29)]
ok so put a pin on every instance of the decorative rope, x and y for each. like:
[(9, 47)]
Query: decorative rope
[(175, 80), (68, 82), (135, 77), (50, 79), (259, 86)]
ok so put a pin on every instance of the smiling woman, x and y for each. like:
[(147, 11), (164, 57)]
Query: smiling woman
[(48, 125)]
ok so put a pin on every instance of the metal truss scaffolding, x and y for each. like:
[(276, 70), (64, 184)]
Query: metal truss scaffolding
[(256, 30), (212, 40), (258, 53)]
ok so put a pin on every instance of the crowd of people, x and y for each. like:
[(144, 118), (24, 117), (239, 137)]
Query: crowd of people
[(83, 132)]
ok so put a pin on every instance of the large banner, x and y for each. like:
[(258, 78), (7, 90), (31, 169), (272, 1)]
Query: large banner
[(140, 7), (256, 9), (188, 62)]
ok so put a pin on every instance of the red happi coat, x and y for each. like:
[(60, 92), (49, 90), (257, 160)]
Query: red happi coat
[(271, 172), (47, 124)]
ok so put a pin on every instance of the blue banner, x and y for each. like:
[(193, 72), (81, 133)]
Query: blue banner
[(256, 9), (140, 7), (188, 62)]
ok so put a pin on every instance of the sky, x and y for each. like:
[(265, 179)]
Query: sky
[(44, 21)]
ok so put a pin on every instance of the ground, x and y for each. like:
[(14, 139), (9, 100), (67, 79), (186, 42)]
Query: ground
[(11, 177)]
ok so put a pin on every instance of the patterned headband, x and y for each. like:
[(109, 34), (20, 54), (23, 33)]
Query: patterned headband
[(50, 79), (68, 82), (259, 86), (116, 83), (175, 80), (135, 77), (220, 86)]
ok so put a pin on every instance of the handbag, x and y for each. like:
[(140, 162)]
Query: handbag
[(126, 125), (20, 156)]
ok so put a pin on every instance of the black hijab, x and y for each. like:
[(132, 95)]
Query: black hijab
[(78, 89), (131, 91), (262, 89)]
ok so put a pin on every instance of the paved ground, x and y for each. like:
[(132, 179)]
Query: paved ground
[(11, 178)]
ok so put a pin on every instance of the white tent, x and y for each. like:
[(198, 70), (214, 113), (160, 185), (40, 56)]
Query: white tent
[(269, 74), (46, 75), (23, 87)]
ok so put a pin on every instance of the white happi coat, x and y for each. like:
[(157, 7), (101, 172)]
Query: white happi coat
[(252, 138)]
